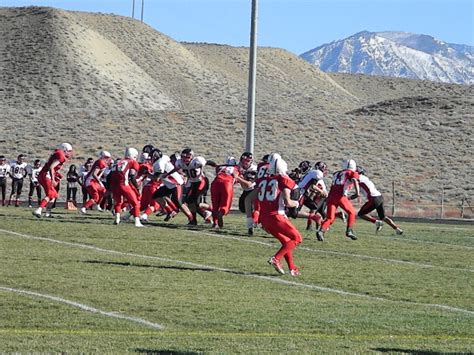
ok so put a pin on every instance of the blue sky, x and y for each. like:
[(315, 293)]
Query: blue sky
[(296, 25)]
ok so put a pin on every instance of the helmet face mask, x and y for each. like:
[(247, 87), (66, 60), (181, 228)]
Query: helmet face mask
[(322, 166), (361, 170), (304, 166), (187, 155), (246, 160), (66, 148)]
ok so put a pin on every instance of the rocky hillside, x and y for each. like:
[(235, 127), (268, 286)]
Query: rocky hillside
[(105, 81)]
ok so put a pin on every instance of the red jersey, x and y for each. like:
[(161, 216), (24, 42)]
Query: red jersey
[(121, 171), (98, 164), (226, 173), (270, 195), (57, 155), (342, 182)]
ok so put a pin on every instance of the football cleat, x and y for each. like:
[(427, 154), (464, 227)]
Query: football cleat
[(378, 226), (170, 215), (350, 234), (320, 235), (144, 217), (192, 222), (295, 272), (83, 210), (138, 223), (276, 264), (37, 212), (399, 231), (250, 232)]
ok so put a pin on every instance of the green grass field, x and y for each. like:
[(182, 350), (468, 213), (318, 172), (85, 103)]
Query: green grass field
[(78, 284)]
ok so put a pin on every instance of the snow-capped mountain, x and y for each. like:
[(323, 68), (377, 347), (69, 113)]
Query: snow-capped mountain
[(397, 54)]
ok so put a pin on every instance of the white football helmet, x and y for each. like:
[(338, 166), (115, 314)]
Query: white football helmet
[(66, 147), (277, 166), (131, 153), (231, 161), (105, 154), (349, 165)]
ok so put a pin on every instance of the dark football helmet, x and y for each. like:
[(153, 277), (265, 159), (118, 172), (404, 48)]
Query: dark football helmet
[(246, 160), (187, 155), (155, 154), (320, 165), (148, 149), (304, 166)]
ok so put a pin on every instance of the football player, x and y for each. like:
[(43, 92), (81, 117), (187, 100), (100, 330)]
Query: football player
[(274, 193), (343, 181), (247, 176), (374, 202), (49, 175), (18, 173), (172, 187), (122, 177), (4, 173), (93, 181), (33, 174)]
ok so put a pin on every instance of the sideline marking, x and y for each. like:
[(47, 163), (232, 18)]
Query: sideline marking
[(244, 273), (338, 253), (83, 307)]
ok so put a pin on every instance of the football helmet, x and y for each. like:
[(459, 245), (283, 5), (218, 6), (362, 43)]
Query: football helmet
[(322, 166), (349, 165), (104, 154), (131, 153), (277, 165), (66, 148), (246, 160), (155, 154), (265, 158), (36, 164), (147, 148), (304, 166), (187, 155), (361, 170), (231, 161)]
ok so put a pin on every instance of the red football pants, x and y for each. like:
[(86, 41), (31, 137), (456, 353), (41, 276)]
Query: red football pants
[(332, 204)]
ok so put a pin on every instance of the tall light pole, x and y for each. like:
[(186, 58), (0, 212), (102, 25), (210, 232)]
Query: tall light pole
[(133, 9), (249, 141), (143, 5)]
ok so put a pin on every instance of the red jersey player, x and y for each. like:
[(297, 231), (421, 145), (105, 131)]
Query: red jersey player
[(343, 181), (274, 194), (95, 187), (122, 175), (48, 176)]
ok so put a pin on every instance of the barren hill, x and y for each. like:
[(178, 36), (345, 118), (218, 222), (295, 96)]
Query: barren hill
[(108, 81)]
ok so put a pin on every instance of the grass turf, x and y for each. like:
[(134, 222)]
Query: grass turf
[(213, 291)]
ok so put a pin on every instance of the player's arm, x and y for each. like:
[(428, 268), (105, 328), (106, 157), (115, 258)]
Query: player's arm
[(133, 179), (244, 183), (356, 188), (52, 172), (287, 199)]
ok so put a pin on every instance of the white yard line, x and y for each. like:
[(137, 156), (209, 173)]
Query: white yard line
[(412, 263), (246, 274), (83, 307)]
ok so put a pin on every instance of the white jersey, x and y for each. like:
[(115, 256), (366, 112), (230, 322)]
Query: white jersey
[(34, 173), (367, 187), (4, 170), (194, 170), (249, 174), (18, 170), (311, 177), (164, 165)]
